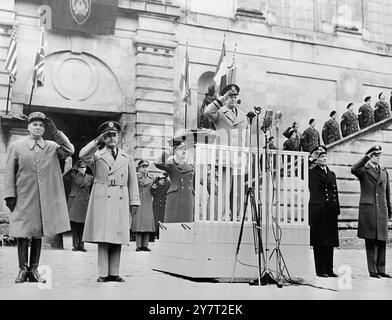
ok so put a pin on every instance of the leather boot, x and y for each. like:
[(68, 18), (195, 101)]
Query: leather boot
[(22, 275), (23, 247), (35, 254)]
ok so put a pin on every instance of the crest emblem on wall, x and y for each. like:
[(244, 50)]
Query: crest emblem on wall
[(80, 10)]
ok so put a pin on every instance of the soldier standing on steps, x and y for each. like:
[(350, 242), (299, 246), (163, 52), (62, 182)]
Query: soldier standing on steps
[(34, 191), (331, 130), (381, 109), (311, 137), (374, 209), (349, 122), (366, 114)]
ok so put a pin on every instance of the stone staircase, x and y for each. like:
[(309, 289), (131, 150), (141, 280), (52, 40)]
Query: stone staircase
[(342, 155)]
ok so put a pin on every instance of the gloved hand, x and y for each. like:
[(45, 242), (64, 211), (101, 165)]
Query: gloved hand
[(10, 203), (50, 127), (100, 141)]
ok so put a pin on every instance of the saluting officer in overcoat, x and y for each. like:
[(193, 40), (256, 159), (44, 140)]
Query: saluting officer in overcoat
[(34, 191), (349, 122), (324, 210), (310, 137), (374, 209), (114, 194), (79, 183), (143, 221), (180, 201), (331, 130), (366, 114)]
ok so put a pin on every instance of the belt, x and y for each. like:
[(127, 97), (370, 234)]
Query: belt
[(110, 183)]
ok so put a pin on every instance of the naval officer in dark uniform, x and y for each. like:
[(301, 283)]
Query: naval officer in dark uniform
[(349, 122), (324, 210)]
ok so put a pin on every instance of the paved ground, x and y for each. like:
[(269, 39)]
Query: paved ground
[(74, 276)]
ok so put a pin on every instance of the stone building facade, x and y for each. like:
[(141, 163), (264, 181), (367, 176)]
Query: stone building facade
[(302, 57)]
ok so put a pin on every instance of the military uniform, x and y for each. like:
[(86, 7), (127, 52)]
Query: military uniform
[(159, 193), (365, 116), (115, 189), (323, 217), (143, 220), (349, 123), (374, 211), (180, 201), (381, 111), (80, 187), (310, 139), (331, 132)]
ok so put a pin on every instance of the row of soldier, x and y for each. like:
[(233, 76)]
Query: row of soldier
[(350, 123)]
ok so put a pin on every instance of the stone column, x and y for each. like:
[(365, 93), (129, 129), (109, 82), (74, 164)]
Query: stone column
[(154, 45)]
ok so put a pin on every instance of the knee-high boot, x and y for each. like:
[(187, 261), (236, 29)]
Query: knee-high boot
[(23, 247), (35, 254)]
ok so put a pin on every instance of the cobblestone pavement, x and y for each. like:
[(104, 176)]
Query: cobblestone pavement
[(74, 276)]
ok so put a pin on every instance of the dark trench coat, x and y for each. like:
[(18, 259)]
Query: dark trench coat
[(180, 201), (323, 207), (143, 220), (374, 203), (79, 193)]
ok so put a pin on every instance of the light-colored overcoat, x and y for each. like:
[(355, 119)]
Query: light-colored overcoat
[(33, 176), (115, 189), (230, 128)]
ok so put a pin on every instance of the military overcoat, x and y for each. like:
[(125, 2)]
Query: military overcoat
[(143, 220)]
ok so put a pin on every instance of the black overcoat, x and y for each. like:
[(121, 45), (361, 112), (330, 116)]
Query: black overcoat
[(323, 207), (159, 193), (374, 203), (381, 111), (349, 123), (310, 139), (365, 116)]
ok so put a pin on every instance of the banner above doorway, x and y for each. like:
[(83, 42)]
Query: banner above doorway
[(91, 16)]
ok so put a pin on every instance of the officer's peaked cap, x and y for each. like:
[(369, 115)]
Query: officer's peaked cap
[(109, 126)]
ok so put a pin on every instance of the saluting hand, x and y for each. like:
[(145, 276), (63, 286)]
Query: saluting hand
[(10, 203), (100, 140), (224, 98)]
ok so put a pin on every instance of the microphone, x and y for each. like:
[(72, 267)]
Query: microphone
[(239, 101), (250, 115), (257, 109), (278, 115)]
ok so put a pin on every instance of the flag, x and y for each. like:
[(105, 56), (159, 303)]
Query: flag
[(184, 80), (38, 70), (220, 77), (89, 16), (12, 53)]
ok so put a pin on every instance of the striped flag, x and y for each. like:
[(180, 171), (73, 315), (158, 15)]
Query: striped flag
[(12, 53), (184, 80), (38, 70), (220, 77)]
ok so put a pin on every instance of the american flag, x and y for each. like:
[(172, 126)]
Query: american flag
[(220, 77), (12, 53), (184, 80), (38, 70)]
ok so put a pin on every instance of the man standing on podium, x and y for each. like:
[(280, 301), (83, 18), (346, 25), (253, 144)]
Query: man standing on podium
[(230, 123)]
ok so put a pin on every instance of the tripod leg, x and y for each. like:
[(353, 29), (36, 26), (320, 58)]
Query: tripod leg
[(241, 232), (257, 237)]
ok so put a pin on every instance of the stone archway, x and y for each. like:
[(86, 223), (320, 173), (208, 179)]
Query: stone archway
[(205, 80)]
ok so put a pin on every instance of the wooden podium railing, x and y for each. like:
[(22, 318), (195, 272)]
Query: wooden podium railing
[(221, 170)]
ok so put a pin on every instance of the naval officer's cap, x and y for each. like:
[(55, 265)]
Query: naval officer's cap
[(109, 126), (376, 149)]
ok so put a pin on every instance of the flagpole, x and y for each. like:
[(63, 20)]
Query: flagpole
[(31, 97), (8, 94), (186, 109)]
